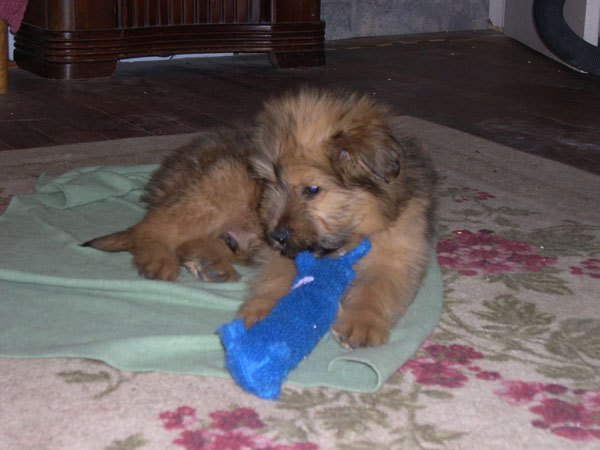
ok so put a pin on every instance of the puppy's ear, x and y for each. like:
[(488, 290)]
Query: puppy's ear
[(366, 151)]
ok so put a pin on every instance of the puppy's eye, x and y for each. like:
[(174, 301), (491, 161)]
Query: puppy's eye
[(310, 191), (231, 242)]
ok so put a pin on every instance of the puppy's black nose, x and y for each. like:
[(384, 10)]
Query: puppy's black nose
[(281, 235)]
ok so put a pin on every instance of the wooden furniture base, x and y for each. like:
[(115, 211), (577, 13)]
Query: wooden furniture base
[(75, 39)]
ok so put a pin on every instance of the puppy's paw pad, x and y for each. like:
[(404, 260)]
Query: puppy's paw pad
[(193, 268), (216, 275), (210, 271)]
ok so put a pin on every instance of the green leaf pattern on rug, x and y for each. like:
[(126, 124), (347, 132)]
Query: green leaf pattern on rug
[(129, 443), (576, 339), (109, 377)]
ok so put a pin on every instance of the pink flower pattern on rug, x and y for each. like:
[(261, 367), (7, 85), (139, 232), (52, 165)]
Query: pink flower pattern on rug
[(238, 418), (180, 418), (470, 194), (440, 367), (589, 267), (235, 429), (483, 252), (571, 414)]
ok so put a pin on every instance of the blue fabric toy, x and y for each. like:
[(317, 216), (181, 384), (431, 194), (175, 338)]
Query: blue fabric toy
[(260, 357)]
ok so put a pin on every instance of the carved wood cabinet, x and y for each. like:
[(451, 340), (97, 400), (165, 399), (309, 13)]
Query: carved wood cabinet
[(74, 39)]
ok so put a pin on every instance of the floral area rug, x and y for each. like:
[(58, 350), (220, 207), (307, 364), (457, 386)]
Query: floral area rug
[(513, 364)]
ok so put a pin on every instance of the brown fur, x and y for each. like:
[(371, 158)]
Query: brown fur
[(318, 172), (202, 212), (373, 181)]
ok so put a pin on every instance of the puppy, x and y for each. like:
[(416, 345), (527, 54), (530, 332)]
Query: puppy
[(203, 203), (337, 169)]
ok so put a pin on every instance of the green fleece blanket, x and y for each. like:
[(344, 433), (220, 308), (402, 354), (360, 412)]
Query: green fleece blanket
[(58, 299)]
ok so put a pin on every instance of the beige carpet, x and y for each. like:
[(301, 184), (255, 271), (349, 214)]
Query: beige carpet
[(514, 363)]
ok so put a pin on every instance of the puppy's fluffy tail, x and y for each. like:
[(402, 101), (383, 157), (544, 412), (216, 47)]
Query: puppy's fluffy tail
[(116, 242)]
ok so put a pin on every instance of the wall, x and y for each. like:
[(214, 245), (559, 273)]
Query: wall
[(357, 18)]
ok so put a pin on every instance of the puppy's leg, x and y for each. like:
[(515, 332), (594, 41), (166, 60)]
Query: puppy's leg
[(371, 306), (151, 257), (273, 283), (154, 241), (386, 283), (155, 260), (207, 258)]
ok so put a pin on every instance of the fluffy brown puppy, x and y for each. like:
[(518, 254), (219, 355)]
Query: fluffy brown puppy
[(337, 169), (202, 213)]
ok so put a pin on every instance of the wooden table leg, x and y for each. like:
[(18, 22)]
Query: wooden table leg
[(3, 56)]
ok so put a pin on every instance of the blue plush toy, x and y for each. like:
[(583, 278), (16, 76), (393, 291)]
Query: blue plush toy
[(259, 358)]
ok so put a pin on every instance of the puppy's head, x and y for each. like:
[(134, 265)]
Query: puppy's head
[(330, 166)]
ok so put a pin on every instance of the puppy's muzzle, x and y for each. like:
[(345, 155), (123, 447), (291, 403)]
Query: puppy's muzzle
[(281, 236)]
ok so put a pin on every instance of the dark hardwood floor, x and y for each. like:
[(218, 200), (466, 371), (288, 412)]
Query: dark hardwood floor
[(483, 83)]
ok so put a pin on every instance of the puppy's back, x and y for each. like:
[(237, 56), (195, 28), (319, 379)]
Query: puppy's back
[(226, 150)]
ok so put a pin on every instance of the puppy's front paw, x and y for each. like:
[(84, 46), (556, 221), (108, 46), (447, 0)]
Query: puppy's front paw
[(359, 329), (255, 309), (157, 266), (219, 271)]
